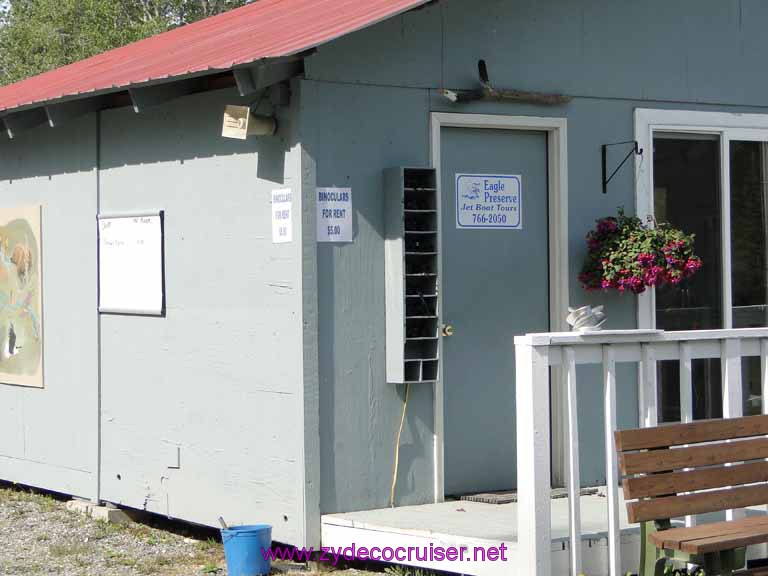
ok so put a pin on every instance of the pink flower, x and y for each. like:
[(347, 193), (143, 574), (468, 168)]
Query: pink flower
[(654, 275), (645, 259), (693, 264), (606, 225)]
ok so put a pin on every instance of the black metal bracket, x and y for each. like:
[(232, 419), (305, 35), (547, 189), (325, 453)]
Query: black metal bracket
[(636, 150)]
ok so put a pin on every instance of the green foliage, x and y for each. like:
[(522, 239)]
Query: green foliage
[(670, 570), (399, 570), (626, 255), (39, 35)]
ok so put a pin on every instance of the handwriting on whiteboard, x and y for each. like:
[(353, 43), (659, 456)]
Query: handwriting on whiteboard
[(131, 264)]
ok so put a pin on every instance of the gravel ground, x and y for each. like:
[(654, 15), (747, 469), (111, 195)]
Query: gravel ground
[(39, 536)]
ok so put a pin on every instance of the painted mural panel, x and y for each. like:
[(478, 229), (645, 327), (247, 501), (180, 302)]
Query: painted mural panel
[(21, 319)]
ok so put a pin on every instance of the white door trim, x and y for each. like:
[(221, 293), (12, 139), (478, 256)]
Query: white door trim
[(557, 145), (726, 126)]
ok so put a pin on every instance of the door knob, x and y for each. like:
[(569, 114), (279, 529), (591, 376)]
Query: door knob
[(447, 330)]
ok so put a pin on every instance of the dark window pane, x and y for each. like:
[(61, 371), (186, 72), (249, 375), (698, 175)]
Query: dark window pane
[(749, 164), (749, 170), (686, 174), (707, 393), (687, 195)]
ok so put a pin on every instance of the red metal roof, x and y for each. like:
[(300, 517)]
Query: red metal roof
[(263, 29)]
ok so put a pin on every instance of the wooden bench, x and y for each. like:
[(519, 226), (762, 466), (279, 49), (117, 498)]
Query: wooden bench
[(669, 473)]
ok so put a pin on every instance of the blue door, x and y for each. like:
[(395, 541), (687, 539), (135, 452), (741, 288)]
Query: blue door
[(495, 286)]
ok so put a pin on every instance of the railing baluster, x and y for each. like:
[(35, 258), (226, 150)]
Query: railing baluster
[(731, 370), (648, 394), (764, 379), (764, 373), (686, 396), (733, 407), (611, 465), (686, 383), (573, 478), (762, 549)]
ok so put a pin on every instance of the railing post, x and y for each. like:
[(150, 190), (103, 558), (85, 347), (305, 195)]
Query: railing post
[(534, 543)]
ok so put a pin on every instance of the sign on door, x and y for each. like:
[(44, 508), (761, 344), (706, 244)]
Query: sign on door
[(489, 201)]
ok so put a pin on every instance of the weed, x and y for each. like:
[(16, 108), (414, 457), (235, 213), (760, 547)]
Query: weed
[(103, 530), (15, 496), (210, 546), (399, 570), (64, 551), (154, 565), (121, 559)]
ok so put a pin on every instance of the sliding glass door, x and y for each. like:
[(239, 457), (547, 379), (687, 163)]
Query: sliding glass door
[(714, 185)]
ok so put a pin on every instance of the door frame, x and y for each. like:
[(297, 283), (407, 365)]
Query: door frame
[(557, 177)]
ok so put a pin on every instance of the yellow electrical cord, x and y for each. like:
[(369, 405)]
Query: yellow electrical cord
[(397, 447)]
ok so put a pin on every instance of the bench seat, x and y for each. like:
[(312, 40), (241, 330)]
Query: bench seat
[(693, 469), (715, 536)]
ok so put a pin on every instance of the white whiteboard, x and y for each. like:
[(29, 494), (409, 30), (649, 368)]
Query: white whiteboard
[(131, 277)]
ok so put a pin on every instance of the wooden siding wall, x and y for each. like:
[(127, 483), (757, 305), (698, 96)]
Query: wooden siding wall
[(203, 410), (367, 102)]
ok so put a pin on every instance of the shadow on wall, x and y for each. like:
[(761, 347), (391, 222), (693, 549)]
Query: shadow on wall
[(184, 129)]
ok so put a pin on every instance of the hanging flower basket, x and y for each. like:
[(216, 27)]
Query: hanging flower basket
[(627, 255)]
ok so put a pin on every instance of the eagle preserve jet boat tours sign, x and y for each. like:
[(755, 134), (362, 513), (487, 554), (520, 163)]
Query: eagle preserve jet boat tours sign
[(489, 201)]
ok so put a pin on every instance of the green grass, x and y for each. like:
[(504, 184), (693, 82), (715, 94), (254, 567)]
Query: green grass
[(67, 550), (102, 530), (44, 501), (209, 546), (399, 570)]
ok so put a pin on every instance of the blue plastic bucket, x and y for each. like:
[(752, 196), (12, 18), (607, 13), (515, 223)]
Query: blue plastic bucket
[(245, 548)]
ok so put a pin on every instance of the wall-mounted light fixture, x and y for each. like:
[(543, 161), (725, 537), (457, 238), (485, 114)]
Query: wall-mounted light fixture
[(240, 122)]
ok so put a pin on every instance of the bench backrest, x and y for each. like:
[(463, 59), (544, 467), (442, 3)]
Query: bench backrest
[(660, 464)]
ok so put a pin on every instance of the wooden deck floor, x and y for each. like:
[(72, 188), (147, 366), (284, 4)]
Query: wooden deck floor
[(474, 524)]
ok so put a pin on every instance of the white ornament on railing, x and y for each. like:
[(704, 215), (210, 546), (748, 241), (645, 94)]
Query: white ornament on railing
[(586, 318)]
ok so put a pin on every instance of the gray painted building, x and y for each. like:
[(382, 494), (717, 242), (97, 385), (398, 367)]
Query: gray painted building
[(262, 394)]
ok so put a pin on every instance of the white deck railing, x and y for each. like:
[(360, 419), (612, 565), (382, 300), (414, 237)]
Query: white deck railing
[(536, 353)]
